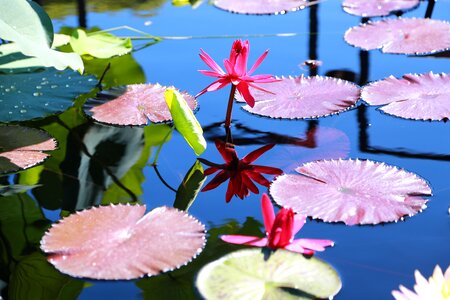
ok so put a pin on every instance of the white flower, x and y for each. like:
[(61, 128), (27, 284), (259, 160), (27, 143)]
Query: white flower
[(436, 288)]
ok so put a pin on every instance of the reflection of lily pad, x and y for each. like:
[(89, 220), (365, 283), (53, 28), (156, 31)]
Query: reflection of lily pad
[(21, 147), (30, 96), (134, 104), (253, 274)]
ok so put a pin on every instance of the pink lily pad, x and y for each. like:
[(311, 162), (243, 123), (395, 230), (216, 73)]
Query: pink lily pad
[(402, 36), (304, 97), (21, 147), (261, 7), (133, 105), (351, 191), (418, 97), (377, 8), (119, 242)]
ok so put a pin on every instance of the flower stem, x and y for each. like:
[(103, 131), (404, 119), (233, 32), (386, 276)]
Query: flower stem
[(230, 106)]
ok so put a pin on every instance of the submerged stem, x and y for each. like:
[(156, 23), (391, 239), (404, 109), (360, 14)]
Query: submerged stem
[(230, 106)]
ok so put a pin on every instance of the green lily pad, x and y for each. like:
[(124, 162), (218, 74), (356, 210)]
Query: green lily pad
[(100, 45), (30, 96), (190, 187), (255, 274)]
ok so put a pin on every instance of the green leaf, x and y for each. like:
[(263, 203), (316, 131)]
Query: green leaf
[(153, 136), (120, 65), (185, 121), (29, 96), (8, 190), (27, 24), (260, 274), (33, 278), (189, 188), (100, 45), (12, 60)]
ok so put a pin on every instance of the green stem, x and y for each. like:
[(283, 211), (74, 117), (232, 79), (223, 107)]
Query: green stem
[(230, 106), (155, 160)]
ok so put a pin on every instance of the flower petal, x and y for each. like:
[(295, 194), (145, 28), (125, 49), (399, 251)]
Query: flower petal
[(248, 183), (227, 151), (299, 249), (260, 88), (242, 88), (266, 170), (255, 154), (229, 67), (299, 221), (220, 178), (313, 244), (216, 85), (267, 212), (258, 178), (258, 62), (244, 240), (241, 60), (210, 62), (210, 73)]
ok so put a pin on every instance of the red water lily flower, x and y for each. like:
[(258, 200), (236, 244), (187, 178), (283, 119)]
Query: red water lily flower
[(280, 232), (241, 172), (236, 72)]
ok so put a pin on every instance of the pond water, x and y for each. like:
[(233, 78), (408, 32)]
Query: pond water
[(371, 260)]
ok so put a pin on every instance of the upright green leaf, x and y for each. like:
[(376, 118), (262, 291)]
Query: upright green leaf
[(185, 121), (189, 188), (100, 45), (27, 24)]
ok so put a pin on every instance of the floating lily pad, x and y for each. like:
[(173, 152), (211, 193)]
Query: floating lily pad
[(261, 7), (134, 104), (119, 242), (403, 36), (377, 8), (351, 191), (304, 97), (21, 147), (100, 45), (419, 97), (250, 275), (30, 96)]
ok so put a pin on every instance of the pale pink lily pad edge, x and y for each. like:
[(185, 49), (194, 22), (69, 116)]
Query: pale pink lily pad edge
[(403, 10), (348, 108), (380, 106), (382, 46), (319, 219), (49, 252), (281, 12)]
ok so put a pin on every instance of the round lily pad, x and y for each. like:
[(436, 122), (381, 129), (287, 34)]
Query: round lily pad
[(304, 97), (120, 242), (402, 36), (415, 96), (37, 95), (134, 104), (351, 191), (261, 7), (377, 8), (253, 275), (21, 148)]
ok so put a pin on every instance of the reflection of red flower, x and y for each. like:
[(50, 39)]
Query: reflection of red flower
[(240, 171)]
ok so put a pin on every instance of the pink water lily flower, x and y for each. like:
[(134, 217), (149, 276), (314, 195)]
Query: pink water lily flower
[(280, 232), (236, 72)]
